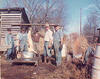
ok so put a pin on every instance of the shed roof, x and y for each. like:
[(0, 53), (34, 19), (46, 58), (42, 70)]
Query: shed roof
[(14, 10)]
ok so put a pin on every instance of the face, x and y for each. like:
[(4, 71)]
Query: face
[(47, 28), (9, 32), (23, 31), (56, 28)]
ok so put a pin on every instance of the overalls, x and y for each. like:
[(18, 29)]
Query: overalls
[(57, 43), (9, 41)]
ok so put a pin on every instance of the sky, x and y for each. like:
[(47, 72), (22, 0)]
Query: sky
[(73, 10), (74, 13)]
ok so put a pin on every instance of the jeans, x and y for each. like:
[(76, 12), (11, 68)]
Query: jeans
[(10, 51), (46, 49), (57, 50)]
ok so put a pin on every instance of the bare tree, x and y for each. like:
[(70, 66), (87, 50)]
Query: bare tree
[(93, 21), (41, 11), (90, 27)]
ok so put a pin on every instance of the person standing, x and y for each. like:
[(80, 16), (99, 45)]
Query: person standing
[(36, 38), (22, 41), (9, 42), (58, 42), (47, 43)]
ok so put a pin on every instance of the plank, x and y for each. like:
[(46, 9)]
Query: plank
[(9, 26), (11, 14), (11, 21), (11, 18), (6, 23), (3, 34), (13, 29), (33, 24)]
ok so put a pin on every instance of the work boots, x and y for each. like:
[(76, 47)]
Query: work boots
[(49, 60)]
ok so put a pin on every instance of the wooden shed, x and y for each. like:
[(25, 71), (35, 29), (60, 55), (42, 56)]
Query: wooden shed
[(10, 16)]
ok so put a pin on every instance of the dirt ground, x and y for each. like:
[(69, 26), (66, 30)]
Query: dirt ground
[(68, 70)]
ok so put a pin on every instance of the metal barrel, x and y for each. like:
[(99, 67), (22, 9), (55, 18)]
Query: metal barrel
[(96, 64)]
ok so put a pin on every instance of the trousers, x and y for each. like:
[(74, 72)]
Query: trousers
[(57, 50), (46, 49)]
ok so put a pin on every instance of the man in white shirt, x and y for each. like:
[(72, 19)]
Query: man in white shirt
[(47, 43)]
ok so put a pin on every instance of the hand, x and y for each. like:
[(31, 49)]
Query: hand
[(49, 46), (19, 55)]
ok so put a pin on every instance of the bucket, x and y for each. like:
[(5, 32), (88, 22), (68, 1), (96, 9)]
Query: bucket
[(28, 55), (96, 65)]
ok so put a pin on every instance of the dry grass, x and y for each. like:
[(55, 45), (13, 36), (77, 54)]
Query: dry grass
[(77, 44)]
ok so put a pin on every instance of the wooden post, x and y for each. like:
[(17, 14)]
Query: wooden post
[(0, 67), (0, 34), (0, 29), (80, 20)]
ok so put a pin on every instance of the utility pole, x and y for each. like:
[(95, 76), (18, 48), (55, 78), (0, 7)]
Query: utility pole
[(80, 21)]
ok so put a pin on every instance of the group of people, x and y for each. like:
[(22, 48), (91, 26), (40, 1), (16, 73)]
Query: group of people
[(26, 41), (53, 39)]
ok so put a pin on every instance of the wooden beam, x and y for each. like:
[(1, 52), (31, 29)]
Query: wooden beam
[(13, 14), (33, 24)]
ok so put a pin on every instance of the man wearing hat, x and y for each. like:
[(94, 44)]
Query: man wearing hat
[(57, 41), (47, 42), (9, 42)]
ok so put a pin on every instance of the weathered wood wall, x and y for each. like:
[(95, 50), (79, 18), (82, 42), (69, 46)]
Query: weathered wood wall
[(6, 21)]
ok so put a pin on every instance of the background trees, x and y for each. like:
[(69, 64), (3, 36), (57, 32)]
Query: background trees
[(90, 27), (92, 22), (41, 11)]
